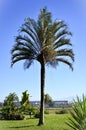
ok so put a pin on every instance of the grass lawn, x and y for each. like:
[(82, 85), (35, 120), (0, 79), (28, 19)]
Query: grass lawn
[(52, 122)]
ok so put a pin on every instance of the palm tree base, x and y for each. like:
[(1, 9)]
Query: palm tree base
[(39, 124)]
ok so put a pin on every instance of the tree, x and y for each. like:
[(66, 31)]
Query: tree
[(48, 99), (77, 121), (45, 41), (10, 110), (25, 102), (11, 100), (25, 98)]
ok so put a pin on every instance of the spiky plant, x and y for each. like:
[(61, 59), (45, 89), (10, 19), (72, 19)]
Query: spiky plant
[(77, 121), (45, 41)]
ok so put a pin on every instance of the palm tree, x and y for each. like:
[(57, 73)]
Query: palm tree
[(45, 41)]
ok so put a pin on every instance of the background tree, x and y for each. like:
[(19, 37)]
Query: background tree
[(47, 99), (25, 102), (11, 100), (47, 42), (25, 98)]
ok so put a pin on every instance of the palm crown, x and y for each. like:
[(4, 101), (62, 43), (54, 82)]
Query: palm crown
[(43, 40)]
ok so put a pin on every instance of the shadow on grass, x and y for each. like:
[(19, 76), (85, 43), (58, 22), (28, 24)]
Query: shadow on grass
[(22, 126)]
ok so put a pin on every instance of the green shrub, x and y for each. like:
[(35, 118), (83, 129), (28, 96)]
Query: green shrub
[(46, 112), (37, 114), (19, 116), (62, 111), (9, 113)]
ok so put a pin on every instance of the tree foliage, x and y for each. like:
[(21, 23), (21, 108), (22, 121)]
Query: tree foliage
[(11, 100), (10, 110), (25, 98), (48, 99)]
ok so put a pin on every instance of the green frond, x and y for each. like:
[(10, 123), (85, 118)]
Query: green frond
[(28, 26), (44, 18), (27, 63), (58, 25), (61, 34), (66, 62), (27, 41), (18, 59), (53, 63), (21, 54), (61, 42), (73, 124), (77, 120), (18, 54), (33, 24), (66, 52), (31, 33)]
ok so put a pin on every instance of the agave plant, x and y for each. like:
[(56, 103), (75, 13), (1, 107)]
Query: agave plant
[(77, 121)]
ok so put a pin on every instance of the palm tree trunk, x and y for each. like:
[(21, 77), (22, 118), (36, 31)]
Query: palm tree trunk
[(41, 119)]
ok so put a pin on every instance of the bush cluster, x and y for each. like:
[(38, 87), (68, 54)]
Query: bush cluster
[(36, 113), (9, 113), (62, 111), (46, 112)]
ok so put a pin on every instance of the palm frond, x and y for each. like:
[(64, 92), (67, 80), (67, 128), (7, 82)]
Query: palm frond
[(66, 52), (53, 63), (18, 59), (27, 63), (31, 30), (58, 25), (66, 62), (44, 18), (25, 40), (61, 34), (61, 42)]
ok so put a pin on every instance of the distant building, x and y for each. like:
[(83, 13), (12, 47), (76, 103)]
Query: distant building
[(61, 104), (55, 104), (35, 103)]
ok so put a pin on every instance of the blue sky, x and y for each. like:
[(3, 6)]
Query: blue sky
[(61, 83)]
